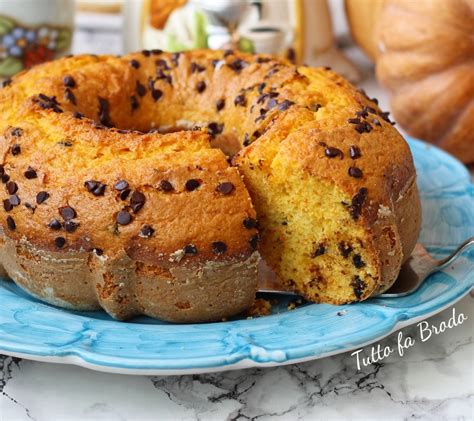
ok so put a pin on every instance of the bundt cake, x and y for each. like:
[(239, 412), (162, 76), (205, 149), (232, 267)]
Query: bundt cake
[(118, 192)]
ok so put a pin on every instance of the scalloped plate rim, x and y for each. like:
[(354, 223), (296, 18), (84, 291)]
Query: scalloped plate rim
[(77, 360)]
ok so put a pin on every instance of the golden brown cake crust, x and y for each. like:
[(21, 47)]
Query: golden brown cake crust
[(154, 223)]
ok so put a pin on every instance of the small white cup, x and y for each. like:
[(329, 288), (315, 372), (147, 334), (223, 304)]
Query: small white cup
[(266, 37)]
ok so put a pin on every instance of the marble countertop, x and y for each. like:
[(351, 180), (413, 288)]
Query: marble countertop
[(433, 380)]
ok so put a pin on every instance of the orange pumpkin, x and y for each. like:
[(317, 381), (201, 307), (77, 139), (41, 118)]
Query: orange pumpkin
[(424, 53)]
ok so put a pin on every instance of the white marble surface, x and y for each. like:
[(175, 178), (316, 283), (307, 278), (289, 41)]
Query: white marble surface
[(433, 380)]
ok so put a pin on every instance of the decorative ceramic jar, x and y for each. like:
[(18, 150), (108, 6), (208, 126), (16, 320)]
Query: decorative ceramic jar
[(33, 31)]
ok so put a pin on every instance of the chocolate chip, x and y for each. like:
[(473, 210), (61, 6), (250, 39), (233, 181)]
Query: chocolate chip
[(261, 87), (138, 197), (41, 197), (140, 89), (237, 65), (90, 185), (196, 68), (354, 152), (160, 74), (15, 200), (69, 81), (368, 109), (121, 185), (156, 51), (137, 201), (355, 172), (358, 262), (263, 59), (240, 100), (134, 104), (362, 113), (123, 218), (345, 249), (17, 132), (261, 98), (16, 149), (60, 242), (147, 231), (136, 207), (376, 122), (354, 120), (246, 141), (318, 251), (97, 251), (385, 115), (285, 105), (358, 286), (272, 103), (201, 86), (48, 103), (272, 71), (104, 112), (7, 205), (156, 94), (55, 225), (225, 188), (67, 213), (254, 241), (228, 52), (30, 207), (11, 223), (162, 64), (315, 107), (68, 94), (146, 53), (218, 247), (124, 194), (220, 104), (30, 173), (5, 178), (363, 127), (78, 115), (190, 250), (11, 187), (165, 186), (70, 226), (99, 190), (95, 187), (332, 152), (175, 58), (135, 64), (250, 223), (7, 82), (215, 128), (192, 184), (358, 200)]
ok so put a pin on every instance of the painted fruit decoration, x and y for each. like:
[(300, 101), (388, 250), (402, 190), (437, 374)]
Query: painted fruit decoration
[(21, 47)]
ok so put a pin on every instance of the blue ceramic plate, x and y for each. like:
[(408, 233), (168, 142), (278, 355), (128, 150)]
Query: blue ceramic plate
[(31, 329)]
